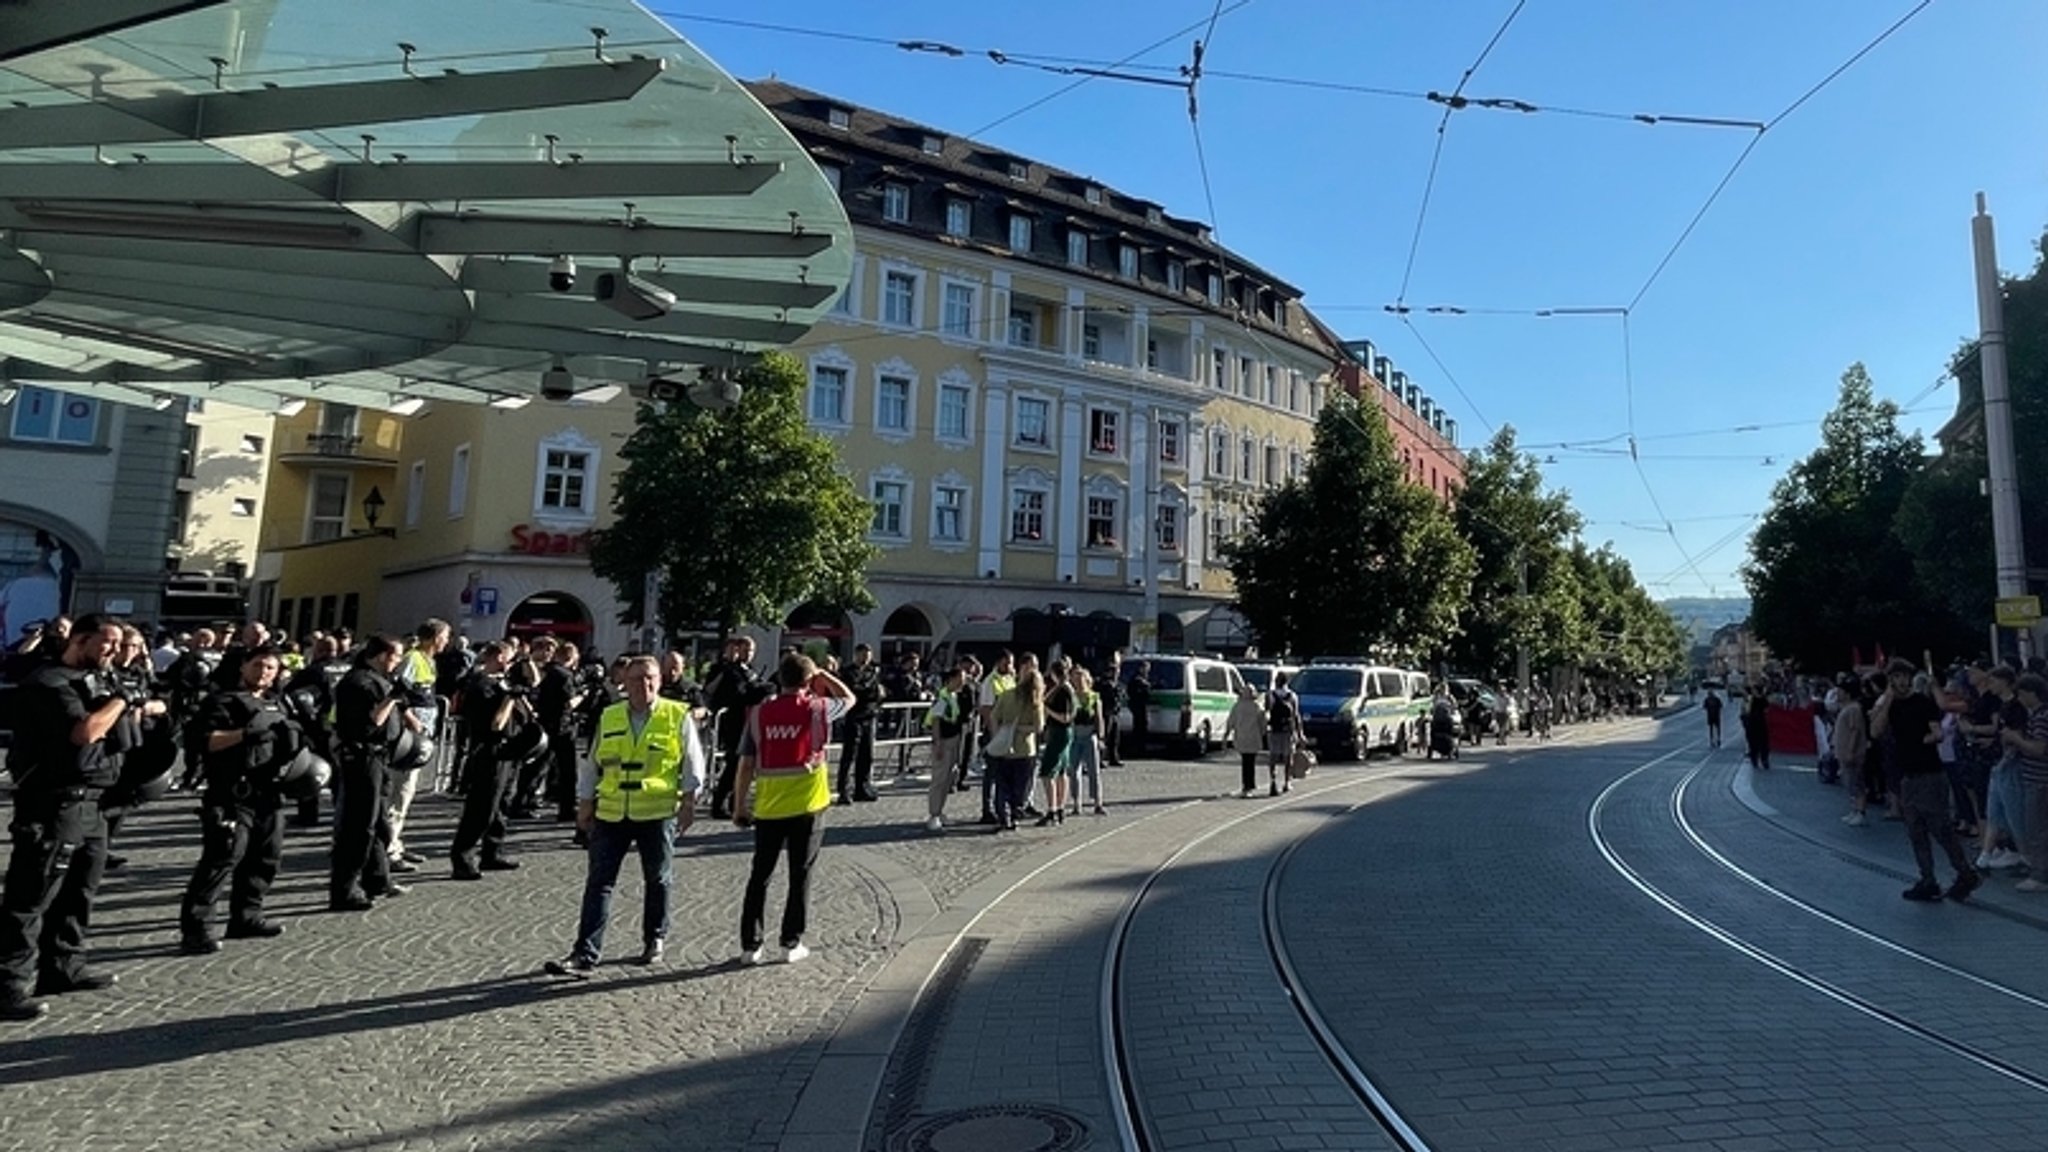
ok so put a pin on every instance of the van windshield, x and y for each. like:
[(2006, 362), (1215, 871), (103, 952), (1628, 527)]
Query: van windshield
[(1259, 678), (1329, 682)]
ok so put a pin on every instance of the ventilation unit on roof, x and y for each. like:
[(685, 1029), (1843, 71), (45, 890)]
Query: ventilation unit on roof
[(1412, 396), (1436, 421), (1450, 431), (1397, 381), (1426, 410)]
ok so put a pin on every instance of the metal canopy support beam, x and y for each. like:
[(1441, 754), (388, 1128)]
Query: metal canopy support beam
[(529, 277), (28, 26), (220, 115), (230, 307), (613, 344), (575, 314), (481, 234), (382, 183)]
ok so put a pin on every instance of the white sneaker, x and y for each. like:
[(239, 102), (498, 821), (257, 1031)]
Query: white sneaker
[(751, 957), (1247, 794), (1855, 820), (1984, 861), (2006, 858), (935, 824), (797, 952)]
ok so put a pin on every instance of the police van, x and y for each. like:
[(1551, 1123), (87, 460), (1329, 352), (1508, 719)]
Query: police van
[(1357, 709), (1191, 701)]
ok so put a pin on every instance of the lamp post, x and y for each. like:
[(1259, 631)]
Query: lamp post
[(373, 510)]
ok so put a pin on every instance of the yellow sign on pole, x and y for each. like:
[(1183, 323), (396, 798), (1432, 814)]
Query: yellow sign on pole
[(2019, 611)]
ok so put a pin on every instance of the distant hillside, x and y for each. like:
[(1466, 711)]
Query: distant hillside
[(1702, 614)]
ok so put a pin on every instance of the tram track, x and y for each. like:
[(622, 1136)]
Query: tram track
[(1812, 981)]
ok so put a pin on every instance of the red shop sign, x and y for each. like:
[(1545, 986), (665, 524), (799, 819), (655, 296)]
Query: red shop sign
[(536, 542)]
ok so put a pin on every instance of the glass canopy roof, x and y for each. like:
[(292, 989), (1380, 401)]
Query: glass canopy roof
[(258, 199)]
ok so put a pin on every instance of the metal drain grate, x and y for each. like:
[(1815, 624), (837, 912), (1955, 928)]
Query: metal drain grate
[(995, 1128), (909, 1072)]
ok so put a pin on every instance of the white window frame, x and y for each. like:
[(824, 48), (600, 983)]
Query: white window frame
[(969, 330), (1127, 261), (1219, 453), (901, 485), (1017, 423), (1166, 527), (1019, 170), (895, 275), (959, 218), (965, 390), (1219, 367), (1027, 316), (415, 494), (1078, 244), (348, 496), (896, 371), (1215, 292), (1271, 465), (1172, 432), (1113, 420), (964, 506), (1272, 384), (458, 482), (1091, 341), (1176, 276), (1018, 508), (830, 360), (1022, 232), (839, 118), (1091, 504), (896, 202), (568, 441), (1247, 459), (833, 175)]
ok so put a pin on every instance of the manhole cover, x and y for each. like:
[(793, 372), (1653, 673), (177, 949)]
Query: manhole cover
[(995, 1128)]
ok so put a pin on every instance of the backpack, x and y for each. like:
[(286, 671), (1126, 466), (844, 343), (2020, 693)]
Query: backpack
[(1281, 711)]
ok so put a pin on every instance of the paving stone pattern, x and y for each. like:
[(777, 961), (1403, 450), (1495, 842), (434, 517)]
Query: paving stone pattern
[(1508, 990)]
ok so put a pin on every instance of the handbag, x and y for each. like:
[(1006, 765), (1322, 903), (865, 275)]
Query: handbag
[(1300, 764)]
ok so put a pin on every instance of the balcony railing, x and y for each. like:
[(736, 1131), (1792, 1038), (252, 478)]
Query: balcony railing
[(333, 444)]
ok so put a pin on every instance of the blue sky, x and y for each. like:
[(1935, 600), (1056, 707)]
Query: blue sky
[(1844, 237)]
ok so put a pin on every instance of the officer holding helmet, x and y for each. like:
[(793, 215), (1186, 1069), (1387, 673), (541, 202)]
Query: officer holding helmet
[(65, 752), (247, 740), (369, 713), (495, 715)]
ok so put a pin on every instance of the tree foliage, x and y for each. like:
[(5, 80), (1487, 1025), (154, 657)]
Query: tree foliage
[(743, 512), (1513, 521), (1351, 558), (1829, 572)]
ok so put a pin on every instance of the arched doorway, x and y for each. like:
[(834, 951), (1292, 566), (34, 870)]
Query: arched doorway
[(36, 574), (908, 629), (556, 614), (819, 631)]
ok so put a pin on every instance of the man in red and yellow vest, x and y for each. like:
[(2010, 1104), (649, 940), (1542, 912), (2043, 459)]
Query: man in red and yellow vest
[(639, 792), (782, 760)]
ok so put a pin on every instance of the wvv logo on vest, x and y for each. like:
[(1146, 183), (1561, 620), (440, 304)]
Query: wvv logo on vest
[(784, 731)]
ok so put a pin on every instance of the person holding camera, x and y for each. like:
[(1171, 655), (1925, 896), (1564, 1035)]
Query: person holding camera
[(494, 712), (66, 750), (639, 793), (248, 741), (369, 713)]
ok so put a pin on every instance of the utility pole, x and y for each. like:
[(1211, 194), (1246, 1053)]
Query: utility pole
[(2006, 536), (1522, 642)]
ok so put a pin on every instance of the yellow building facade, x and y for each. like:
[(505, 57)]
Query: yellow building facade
[(1052, 393)]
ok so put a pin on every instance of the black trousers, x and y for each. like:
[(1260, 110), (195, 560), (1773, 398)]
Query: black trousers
[(360, 866), (562, 781), (58, 859), (858, 756), (487, 790), (242, 841), (799, 838), (1141, 733), (1112, 738)]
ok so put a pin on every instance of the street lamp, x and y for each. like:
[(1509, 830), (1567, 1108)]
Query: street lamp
[(373, 510)]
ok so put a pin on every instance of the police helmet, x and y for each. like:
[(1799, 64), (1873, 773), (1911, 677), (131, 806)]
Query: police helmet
[(413, 750), (527, 745), (305, 775)]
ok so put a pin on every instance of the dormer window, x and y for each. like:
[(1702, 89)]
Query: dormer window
[(1152, 214), (1176, 276), (1093, 195), (839, 118), (1127, 262), (1215, 289), (1019, 170), (959, 218), (933, 144), (896, 203)]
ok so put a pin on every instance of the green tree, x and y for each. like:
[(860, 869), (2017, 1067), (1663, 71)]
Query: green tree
[(1827, 572), (1518, 531), (1351, 557), (742, 511), (1625, 633)]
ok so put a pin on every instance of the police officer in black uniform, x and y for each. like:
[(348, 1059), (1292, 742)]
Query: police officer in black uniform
[(149, 745), (732, 688), (247, 740), (188, 682), (857, 758), (308, 698), (65, 751), (368, 705), (559, 702), (494, 710)]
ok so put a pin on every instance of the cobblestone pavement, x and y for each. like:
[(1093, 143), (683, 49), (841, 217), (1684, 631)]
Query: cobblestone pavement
[(1510, 990)]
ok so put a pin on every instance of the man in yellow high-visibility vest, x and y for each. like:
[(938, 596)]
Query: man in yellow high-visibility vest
[(416, 671), (638, 791)]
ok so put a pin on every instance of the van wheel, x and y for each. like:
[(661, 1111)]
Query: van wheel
[(1361, 744), (1200, 744)]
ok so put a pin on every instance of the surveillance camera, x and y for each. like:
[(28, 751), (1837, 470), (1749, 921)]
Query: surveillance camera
[(557, 383), (633, 297), (562, 273), (662, 390), (716, 390)]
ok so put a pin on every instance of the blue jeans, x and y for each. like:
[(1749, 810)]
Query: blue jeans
[(2006, 806), (609, 840)]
